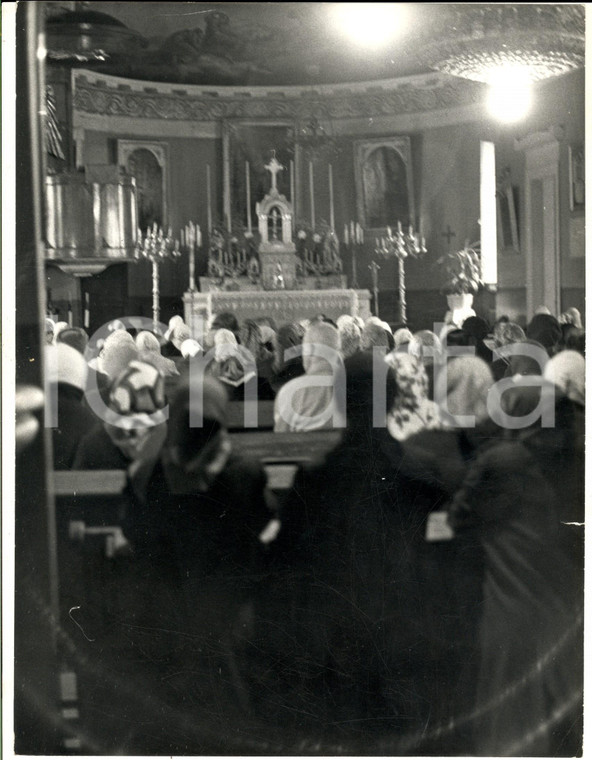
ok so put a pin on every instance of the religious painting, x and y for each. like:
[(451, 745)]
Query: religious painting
[(249, 147), (384, 182), (577, 176), (147, 162)]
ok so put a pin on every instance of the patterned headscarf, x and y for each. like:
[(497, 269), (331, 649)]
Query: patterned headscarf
[(412, 411)]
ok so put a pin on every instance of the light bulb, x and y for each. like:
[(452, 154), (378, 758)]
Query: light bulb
[(371, 24), (510, 95)]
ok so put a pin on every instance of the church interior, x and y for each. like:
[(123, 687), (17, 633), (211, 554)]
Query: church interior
[(223, 179)]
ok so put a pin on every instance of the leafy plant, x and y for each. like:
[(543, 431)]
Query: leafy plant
[(462, 270)]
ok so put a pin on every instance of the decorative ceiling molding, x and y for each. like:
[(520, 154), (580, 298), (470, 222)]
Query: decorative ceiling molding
[(113, 96)]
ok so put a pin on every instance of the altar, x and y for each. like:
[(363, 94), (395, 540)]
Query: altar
[(273, 275), (281, 305)]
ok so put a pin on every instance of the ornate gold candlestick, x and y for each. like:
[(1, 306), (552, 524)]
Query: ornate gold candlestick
[(401, 245), (156, 247)]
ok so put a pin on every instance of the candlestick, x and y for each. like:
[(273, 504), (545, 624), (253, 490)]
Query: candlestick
[(209, 199), (355, 284), (402, 298), (311, 185), (248, 181), (401, 246), (191, 267), (331, 209)]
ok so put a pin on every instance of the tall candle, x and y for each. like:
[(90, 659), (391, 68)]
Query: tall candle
[(209, 198), (248, 181), (312, 203), (292, 181), (345, 234), (331, 209), (198, 236), (191, 259)]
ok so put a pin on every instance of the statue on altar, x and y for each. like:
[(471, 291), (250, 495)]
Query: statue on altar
[(277, 251), (275, 261)]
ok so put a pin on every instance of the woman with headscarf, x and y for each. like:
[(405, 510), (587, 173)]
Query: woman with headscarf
[(347, 581), (288, 336), (148, 346), (529, 687), (461, 390), (505, 333), (129, 429), (545, 329), (169, 349), (412, 411), (233, 367), (426, 345), (116, 353), (194, 522), (476, 329), (251, 339), (436, 462)]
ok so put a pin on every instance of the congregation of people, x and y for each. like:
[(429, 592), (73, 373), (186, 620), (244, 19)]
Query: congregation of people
[(417, 589)]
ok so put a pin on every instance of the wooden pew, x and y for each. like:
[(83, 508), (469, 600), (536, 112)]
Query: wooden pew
[(236, 416), (280, 454)]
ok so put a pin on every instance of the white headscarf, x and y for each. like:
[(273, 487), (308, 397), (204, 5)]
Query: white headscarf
[(567, 370)]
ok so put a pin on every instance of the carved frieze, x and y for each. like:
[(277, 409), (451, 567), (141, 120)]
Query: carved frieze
[(107, 96)]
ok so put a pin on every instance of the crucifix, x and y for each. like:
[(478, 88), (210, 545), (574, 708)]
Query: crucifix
[(449, 234), (273, 167)]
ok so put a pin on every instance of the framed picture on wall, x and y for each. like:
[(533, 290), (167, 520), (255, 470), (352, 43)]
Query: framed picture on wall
[(577, 177), (248, 147), (384, 182), (148, 163)]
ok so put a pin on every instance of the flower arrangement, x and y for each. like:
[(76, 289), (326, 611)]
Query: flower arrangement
[(462, 270), (317, 249)]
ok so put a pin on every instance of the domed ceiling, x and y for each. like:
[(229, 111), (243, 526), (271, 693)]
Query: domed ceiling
[(266, 44)]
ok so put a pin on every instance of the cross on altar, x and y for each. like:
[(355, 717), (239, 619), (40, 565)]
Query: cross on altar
[(449, 234), (273, 167)]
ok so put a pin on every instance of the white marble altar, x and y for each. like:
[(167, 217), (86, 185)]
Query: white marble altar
[(282, 305), (244, 284)]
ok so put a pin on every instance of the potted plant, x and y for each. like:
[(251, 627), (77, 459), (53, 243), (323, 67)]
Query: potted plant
[(462, 276)]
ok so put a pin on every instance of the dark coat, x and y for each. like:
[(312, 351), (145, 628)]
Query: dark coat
[(529, 691), (196, 564), (367, 625), (75, 420)]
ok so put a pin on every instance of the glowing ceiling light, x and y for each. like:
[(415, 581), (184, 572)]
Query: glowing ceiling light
[(510, 94), (371, 24)]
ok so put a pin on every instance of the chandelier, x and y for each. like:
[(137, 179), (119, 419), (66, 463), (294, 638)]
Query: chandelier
[(479, 40)]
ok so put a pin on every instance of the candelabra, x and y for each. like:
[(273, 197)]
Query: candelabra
[(401, 245), (156, 247), (318, 253)]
